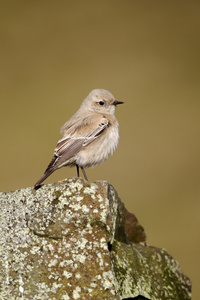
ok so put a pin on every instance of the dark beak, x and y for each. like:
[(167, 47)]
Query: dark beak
[(117, 102)]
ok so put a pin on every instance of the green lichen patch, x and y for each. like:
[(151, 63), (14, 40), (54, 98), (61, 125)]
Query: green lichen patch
[(149, 272)]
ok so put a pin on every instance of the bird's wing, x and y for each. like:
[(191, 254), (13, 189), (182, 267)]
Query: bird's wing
[(83, 134)]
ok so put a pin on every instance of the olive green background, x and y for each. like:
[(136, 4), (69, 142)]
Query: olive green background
[(147, 53)]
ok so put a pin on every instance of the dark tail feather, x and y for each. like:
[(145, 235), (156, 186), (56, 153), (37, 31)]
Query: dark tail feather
[(46, 174), (49, 170)]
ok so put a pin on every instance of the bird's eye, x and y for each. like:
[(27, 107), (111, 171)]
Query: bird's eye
[(101, 103)]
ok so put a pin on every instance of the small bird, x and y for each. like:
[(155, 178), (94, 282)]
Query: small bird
[(89, 137)]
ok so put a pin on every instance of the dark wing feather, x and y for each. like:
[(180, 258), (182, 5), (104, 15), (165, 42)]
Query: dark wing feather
[(67, 147)]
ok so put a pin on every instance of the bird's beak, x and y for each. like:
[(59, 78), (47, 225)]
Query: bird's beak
[(117, 102)]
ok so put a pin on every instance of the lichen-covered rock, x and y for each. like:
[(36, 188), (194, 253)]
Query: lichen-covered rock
[(74, 240)]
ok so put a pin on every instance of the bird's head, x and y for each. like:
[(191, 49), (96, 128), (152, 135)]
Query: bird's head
[(101, 101)]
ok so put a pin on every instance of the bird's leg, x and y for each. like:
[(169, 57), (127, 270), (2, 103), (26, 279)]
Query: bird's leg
[(84, 173), (77, 168)]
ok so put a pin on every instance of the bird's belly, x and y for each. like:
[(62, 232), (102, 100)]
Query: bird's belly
[(99, 150)]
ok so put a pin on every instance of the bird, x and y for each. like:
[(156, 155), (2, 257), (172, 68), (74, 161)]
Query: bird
[(89, 137)]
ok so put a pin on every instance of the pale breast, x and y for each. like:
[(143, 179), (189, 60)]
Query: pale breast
[(101, 148)]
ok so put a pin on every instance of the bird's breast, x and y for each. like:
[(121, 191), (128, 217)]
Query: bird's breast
[(100, 149)]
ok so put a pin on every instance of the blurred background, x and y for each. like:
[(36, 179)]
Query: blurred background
[(147, 53)]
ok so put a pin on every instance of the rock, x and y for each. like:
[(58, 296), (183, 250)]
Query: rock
[(74, 240)]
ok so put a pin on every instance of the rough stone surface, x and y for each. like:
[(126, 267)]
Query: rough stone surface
[(74, 240)]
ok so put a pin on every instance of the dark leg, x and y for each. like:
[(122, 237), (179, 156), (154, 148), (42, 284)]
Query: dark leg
[(84, 173), (77, 168)]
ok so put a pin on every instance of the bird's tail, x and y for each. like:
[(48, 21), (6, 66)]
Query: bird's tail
[(46, 174), (49, 170)]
